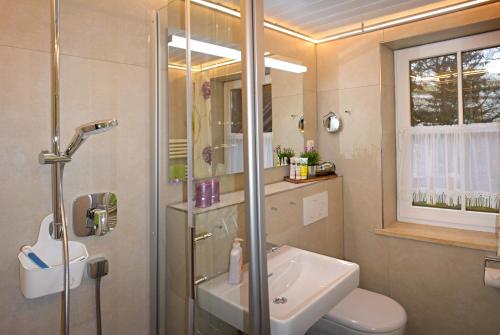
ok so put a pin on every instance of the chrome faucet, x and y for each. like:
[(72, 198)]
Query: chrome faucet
[(271, 247)]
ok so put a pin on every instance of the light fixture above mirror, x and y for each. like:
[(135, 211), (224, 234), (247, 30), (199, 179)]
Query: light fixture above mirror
[(232, 54)]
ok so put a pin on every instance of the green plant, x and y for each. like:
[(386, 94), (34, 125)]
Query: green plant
[(288, 153), (312, 156), (284, 153)]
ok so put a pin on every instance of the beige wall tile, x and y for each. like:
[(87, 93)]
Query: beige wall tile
[(286, 114), (386, 66), (361, 130), (388, 115), (25, 24), (110, 30), (349, 63), (310, 116), (287, 83), (448, 280)]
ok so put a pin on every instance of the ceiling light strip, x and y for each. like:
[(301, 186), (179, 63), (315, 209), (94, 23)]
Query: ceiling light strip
[(364, 29), (426, 15), (269, 25), (289, 32), (218, 7), (183, 68), (213, 66), (339, 36)]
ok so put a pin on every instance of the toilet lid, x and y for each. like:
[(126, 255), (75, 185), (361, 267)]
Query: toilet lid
[(368, 311)]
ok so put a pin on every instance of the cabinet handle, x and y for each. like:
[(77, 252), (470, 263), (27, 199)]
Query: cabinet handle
[(202, 236)]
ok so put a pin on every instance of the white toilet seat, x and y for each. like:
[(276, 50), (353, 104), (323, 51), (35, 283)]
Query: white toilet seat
[(363, 312)]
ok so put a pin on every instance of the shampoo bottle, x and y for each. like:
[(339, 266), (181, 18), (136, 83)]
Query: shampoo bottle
[(235, 262), (303, 168), (293, 168)]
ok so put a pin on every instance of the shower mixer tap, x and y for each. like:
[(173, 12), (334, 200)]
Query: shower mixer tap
[(95, 214), (97, 221)]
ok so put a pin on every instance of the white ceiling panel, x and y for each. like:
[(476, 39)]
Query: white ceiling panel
[(317, 18)]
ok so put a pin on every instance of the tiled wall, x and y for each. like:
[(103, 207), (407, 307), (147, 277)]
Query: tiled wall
[(104, 74), (440, 287)]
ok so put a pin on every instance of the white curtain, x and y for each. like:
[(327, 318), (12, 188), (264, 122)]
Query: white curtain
[(234, 152), (445, 164), (482, 164)]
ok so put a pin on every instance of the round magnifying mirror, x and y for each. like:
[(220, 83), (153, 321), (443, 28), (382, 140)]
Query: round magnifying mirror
[(300, 125), (332, 123)]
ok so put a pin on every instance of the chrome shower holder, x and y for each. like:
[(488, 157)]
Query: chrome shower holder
[(46, 157), (82, 133)]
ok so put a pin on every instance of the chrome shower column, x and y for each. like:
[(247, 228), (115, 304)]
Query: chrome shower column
[(59, 228), (58, 159)]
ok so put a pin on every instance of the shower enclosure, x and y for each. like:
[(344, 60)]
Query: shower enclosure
[(58, 159), (198, 51)]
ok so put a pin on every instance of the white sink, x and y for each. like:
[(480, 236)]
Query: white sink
[(312, 285)]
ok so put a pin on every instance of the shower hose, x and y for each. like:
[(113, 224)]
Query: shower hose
[(98, 268), (98, 305)]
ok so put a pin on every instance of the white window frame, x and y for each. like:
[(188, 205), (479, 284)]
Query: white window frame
[(406, 212), (230, 137), (228, 86)]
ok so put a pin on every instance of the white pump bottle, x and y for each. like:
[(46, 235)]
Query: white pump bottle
[(235, 262)]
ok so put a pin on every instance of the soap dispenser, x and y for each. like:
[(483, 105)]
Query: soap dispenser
[(235, 262)]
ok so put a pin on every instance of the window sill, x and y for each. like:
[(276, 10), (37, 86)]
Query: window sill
[(446, 236)]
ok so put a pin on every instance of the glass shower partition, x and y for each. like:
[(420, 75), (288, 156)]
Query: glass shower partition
[(202, 207)]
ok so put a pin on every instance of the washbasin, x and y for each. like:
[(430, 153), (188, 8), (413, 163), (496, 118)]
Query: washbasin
[(303, 286)]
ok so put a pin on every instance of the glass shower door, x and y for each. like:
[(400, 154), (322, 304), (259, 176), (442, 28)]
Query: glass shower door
[(205, 206)]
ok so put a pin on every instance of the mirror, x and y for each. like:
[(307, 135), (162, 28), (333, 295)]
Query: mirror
[(300, 125), (288, 91), (331, 122)]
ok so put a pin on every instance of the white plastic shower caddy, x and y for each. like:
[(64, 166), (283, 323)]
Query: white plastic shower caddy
[(37, 282)]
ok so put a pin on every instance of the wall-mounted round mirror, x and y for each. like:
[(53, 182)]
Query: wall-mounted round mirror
[(331, 122), (300, 125)]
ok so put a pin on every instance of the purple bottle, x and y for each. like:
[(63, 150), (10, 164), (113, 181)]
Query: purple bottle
[(215, 184), (203, 196)]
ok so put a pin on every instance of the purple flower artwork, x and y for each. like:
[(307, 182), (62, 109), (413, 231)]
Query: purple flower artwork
[(206, 90), (207, 154)]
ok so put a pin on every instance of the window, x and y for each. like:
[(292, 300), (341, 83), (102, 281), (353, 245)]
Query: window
[(233, 125), (234, 102), (448, 120)]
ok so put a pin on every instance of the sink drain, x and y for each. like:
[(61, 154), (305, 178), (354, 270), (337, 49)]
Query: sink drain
[(280, 300)]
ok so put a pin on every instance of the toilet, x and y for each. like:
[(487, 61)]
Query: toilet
[(362, 312)]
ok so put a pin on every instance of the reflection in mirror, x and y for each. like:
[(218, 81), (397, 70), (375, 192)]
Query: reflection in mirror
[(300, 124), (278, 121), (331, 122), (233, 126), (218, 115)]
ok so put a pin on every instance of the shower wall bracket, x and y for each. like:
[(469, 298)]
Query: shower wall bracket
[(46, 157)]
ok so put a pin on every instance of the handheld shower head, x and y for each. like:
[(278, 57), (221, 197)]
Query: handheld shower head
[(85, 131)]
